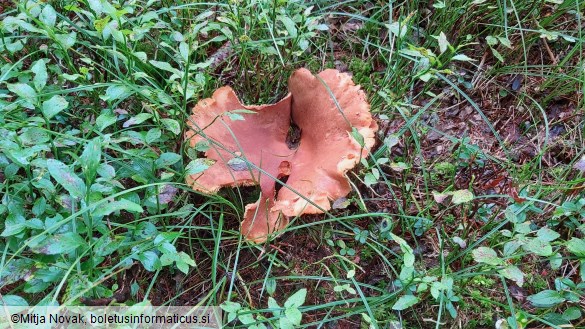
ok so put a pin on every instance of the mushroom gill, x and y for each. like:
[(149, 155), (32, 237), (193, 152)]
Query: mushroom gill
[(310, 155)]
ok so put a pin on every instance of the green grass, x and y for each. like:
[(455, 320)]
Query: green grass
[(478, 102)]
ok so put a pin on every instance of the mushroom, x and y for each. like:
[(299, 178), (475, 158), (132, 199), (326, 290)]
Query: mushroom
[(328, 110)]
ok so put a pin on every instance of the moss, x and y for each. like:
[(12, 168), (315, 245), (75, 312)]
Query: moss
[(361, 71), (482, 281), (535, 282)]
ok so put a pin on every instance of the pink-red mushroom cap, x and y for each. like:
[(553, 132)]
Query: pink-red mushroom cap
[(326, 108)]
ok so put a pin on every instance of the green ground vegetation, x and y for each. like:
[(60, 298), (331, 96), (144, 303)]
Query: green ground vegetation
[(468, 213)]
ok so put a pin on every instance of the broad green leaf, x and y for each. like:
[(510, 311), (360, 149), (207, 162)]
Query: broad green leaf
[(106, 246), (71, 77), (546, 234), (14, 47), (370, 179), (513, 273), (12, 300), (184, 51), (182, 266), (20, 157), (576, 247), (164, 97), (185, 258), (153, 135), (246, 318), (293, 315), (13, 225), (443, 42), (66, 177), (138, 119), (23, 90), (172, 125), (202, 146), (39, 206), (104, 120), (491, 41), (511, 246), (168, 258), (556, 260), (14, 270), (197, 166), (35, 286), (412, 52), (34, 136), (177, 36), (49, 274), (35, 224), (398, 29), (48, 15), (506, 42), (101, 24), (123, 204), (272, 304), (285, 323), (404, 302), (54, 105), (230, 307), (271, 288), (167, 159), (462, 58), (399, 166), (498, 55), (522, 228), (426, 77), (149, 260), (24, 25), (486, 255), (289, 25), (66, 40), (297, 299), (60, 244), (90, 158), (40, 70), (164, 66), (546, 298), (96, 6), (408, 258), (106, 171), (142, 56), (572, 313), (117, 93), (462, 196), (538, 247)]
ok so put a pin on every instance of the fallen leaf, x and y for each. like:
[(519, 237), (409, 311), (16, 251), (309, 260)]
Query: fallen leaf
[(167, 194), (580, 165)]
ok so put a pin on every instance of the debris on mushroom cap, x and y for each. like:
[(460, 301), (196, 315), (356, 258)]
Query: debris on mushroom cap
[(326, 108)]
